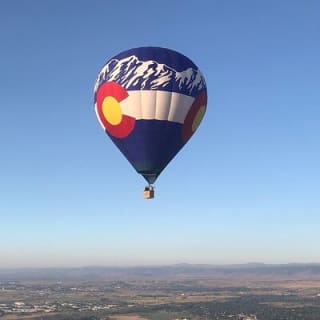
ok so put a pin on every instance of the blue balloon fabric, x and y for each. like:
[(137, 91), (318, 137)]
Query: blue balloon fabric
[(150, 101)]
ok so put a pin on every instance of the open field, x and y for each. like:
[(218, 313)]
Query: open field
[(29, 316)]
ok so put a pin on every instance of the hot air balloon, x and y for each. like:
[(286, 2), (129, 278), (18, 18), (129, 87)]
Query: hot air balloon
[(150, 101)]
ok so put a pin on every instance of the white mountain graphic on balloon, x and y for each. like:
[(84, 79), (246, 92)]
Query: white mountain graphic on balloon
[(134, 74)]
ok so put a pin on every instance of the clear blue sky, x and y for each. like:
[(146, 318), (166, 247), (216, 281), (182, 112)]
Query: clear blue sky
[(245, 188)]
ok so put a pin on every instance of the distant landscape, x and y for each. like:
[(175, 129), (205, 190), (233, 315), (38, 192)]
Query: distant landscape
[(251, 270), (176, 292)]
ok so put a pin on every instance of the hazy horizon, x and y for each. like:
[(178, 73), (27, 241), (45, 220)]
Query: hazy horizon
[(249, 263)]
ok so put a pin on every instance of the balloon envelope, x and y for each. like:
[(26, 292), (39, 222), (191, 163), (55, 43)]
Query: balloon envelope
[(150, 101)]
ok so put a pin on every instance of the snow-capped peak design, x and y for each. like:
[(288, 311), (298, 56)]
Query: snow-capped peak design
[(134, 74)]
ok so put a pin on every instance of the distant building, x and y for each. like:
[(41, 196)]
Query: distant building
[(19, 303), (245, 317)]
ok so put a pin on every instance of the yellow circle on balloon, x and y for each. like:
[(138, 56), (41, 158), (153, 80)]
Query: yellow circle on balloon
[(111, 110), (197, 119)]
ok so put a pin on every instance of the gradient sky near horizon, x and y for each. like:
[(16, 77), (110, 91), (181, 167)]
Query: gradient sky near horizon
[(244, 189)]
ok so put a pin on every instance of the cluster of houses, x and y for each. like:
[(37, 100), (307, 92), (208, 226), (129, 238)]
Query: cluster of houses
[(20, 307)]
